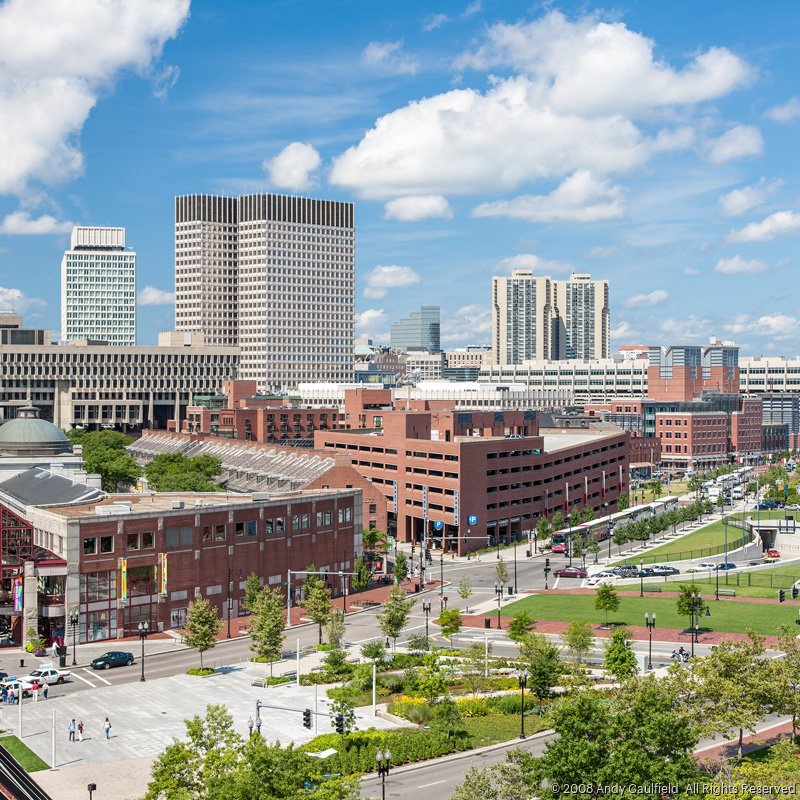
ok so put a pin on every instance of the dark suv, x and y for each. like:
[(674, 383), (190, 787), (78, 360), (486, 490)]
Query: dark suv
[(626, 570), (114, 658)]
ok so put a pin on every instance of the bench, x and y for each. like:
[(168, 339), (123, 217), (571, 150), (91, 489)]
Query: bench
[(727, 592), (260, 682), (292, 674), (652, 588)]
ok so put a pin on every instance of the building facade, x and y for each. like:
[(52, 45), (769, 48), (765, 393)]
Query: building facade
[(684, 372), (274, 275), (98, 287), (581, 326), (421, 330), (522, 317)]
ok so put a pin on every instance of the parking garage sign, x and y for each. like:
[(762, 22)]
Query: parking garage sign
[(472, 520)]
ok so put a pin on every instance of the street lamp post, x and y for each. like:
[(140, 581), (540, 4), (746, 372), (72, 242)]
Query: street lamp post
[(144, 629), (499, 592), (441, 571), (522, 677), (74, 619), (641, 577), (384, 761), (610, 535), (92, 787), (546, 572), (426, 607), (650, 623), (250, 726), (514, 543)]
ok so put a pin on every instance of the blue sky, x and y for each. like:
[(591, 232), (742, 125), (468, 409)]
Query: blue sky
[(650, 143)]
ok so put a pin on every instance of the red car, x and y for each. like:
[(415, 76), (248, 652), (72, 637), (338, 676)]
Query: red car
[(570, 572), (773, 554)]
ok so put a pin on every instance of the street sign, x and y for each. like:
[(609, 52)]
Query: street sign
[(438, 525), (472, 520)]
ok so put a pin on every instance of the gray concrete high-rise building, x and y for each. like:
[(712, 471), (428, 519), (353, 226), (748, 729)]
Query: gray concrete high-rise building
[(582, 324), (98, 287), (421, 330), (274, 275)]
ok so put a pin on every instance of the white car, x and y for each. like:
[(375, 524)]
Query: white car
[(601, 578), (704, 566)]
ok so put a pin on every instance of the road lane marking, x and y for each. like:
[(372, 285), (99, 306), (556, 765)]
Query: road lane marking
[(97, 677), (81, 678), (426, 785)]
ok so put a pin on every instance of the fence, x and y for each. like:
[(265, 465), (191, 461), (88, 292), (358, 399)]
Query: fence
[(668, 554), (768, 579)]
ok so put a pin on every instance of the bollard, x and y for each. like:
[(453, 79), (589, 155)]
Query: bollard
[(22, 662), (487, 623)]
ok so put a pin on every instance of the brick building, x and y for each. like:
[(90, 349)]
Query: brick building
[(122, 560), (696, 440), (464, 479), (684, 372)]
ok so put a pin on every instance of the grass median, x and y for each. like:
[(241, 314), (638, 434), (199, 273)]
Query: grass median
[(727, 615), (25, 756)]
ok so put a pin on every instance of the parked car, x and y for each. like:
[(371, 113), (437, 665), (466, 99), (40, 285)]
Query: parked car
[(703, 566), (793, 507), (602, 577), (570, 572), (727, 565), (766, 505), (664, 569), (626, 570), (646, 572), (772, 553), (13, 686), (46, 675), (114, 658)]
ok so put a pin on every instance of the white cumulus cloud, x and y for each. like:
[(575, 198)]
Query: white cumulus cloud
[(787, 112), (390, 276), (577, 90), (781, 223), (739, 266), (740, 201), (738, 142), (16, 300), (21, 222), (411, 209), (532, 262), (470, 324), (389, 57), (373, 324), (151, 296), (651, 299), (293, 167), (776, 326), (579, 198), (624, 331), (680, 331), (57, 58)]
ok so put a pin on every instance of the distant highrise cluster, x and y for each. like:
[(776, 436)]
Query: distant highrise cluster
[(98, 287), (273, 275), (536, 318), (421, 330)]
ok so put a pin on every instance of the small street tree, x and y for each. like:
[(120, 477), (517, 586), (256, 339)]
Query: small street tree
[(465, 590), (588, 514), (542, 529), (501, 573), (620, 660), (267, 625), (393, 617), (348, 712), (374, 650), (400, 567), (657, 488), (578, 638), (574, 518), (363, 576), (317, 604), (252, 586), (202, 626), (606, 599), (623, 501), (558, 521), (433, 677), (450, 623), (593, 547), (543, 662), (335, 628), (690, 603), (518, 627), (474, 665)]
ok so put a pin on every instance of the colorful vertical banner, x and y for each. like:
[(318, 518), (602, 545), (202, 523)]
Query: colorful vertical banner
[(123, 579), (163, 557), (566, 498), (603, 496), (455, 508), (16, 593), (585, 490)]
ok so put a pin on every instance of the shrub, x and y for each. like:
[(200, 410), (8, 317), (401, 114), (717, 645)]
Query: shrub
[(510, 703), (200, 672), (414, 709), (278, 681), (393, 683), (473, 706)]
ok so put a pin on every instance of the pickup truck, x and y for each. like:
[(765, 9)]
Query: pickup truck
[(44, 675)]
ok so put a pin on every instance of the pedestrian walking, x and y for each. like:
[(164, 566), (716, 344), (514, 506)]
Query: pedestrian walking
[(80, 731), (107, 728), (54, 648), (35, 691), (71, 729), (4, 695), (45, 689)]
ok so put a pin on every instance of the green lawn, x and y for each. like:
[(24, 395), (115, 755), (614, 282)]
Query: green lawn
[(495, 728), (26, 757), (726, 614)]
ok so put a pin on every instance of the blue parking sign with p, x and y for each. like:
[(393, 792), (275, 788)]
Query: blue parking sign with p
[(438, 525), (472, 520)]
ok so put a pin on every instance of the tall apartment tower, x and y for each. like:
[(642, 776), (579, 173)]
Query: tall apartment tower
[(98, 287), (274, 275), (421, 330), (522, 317), (582, 326)]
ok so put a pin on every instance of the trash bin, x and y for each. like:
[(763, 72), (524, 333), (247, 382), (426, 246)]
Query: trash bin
[(62, 650), (487, 623), (510, 590), (62, 661), (527, 554), (416, 587)]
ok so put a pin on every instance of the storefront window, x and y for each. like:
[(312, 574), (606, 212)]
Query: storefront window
[(98, 625)]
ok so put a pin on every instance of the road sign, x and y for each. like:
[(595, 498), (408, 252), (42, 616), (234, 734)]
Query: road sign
[(472, 520), (438, 525)]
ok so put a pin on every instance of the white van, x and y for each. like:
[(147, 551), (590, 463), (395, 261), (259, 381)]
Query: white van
[(737, 493)]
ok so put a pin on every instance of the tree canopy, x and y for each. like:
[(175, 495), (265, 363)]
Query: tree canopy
[(104, 454), (175, 472)]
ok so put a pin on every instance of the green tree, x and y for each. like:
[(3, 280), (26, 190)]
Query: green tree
[(518, 627), (450, 623), (607, 600), (400, 567), (574, 518), (317, 604), (335, 628), (593, 547), (500, 573), (542, 529), (348, 712), (202, 626), (695, 484), (577, 639), (776, 775), (689, 603), (374, 544), (543, 662), (657, 488), (623, 501), (362, 578), (433, 676), (465, 590), (194, 768), (268, 625), (588, 514), (447, 720), (374, 650), (783, 677), (393, 617), (252, 587), (558, 521), (620, 660), (511, 779), (335, 661), (175, 472), (473, 665)]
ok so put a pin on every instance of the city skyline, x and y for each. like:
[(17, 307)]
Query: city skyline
[(681, 189)]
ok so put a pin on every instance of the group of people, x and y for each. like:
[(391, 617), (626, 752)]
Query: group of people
[(10, 695), (76, 730)]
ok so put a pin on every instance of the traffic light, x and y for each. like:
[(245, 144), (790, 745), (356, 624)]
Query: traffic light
[(339, 723), (307, 718), (782, 595), (547, 563), (795, 592)]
